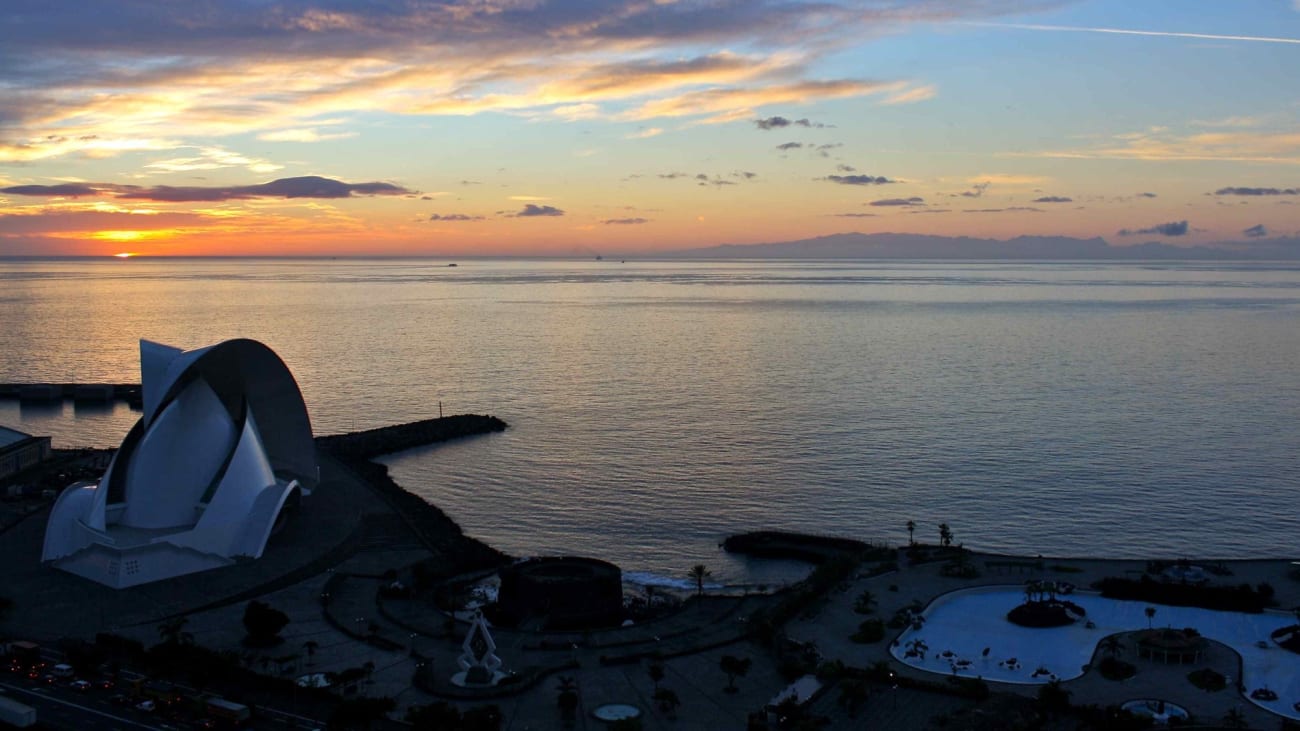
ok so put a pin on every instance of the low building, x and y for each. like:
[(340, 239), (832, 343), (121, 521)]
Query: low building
[(18, 451)]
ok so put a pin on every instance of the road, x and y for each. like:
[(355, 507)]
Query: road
[(60, 707)]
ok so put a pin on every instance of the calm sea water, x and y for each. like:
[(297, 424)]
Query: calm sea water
[(1064, 409)]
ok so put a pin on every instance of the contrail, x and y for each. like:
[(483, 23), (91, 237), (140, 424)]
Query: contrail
[(1126, 32)]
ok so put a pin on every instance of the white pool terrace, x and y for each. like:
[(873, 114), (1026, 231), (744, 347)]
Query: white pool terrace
[(967, 621)]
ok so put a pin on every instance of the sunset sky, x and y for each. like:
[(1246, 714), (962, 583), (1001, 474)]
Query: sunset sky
[(567, 127)]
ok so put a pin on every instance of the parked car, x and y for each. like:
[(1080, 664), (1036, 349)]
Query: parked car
[(146, 706), (81, 685)]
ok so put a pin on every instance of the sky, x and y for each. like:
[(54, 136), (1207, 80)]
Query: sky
[(580, 127)]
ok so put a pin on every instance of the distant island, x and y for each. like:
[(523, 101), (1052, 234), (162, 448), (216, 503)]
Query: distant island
[(920, 246)]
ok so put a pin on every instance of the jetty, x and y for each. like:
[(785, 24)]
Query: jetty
[(131, 393)]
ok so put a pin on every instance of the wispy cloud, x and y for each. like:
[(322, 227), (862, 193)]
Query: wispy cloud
[(858, 179), (625, 221), (911, 95), (1130, 32), (1257, 191)]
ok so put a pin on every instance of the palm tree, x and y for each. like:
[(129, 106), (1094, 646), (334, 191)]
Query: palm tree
[(866, 602), (567, 699), (911, 528), (734, 667), (172, 632), (1234, 718), (656, 671), (310, 647), (945, 535), (699, 573), (1151, 614), (1111, 645)]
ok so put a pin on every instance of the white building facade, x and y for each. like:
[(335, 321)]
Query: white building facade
[(222, 454)]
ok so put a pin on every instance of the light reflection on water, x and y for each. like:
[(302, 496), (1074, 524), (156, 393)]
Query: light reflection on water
[(1116, 409)]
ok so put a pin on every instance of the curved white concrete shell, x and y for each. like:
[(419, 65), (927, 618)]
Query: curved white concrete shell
[(223, 449)]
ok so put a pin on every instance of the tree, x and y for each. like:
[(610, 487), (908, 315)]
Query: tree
[(667, 701), (1234, 718), (734, 667), (1111, 645), (263, 624), (656, 671), (1151, 614), (945, 535), (1053, 697), (699, 573), (172, 632), (360, 713), (911, 528), (567, 699), (865, 603), (853, 694), (310, 647)]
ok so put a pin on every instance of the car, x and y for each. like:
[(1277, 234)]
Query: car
[(146, 706), (81, 685), (120, 699), (105, 684), (48, 679)]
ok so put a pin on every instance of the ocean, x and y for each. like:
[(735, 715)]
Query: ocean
[(1109, 409)]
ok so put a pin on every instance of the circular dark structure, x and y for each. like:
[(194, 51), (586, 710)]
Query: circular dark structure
[(562, 592)]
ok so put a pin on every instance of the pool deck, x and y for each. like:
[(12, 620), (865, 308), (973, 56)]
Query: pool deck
[(967, 635)]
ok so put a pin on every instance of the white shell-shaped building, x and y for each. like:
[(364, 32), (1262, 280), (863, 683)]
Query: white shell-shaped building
[(222, 453)]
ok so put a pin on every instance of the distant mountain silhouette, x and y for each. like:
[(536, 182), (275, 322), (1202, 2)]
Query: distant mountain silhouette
[(919, 246)]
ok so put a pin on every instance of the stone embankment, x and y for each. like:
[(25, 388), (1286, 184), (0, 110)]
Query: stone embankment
[(102, 392), (386, 440), (799, 546), (437, 532)]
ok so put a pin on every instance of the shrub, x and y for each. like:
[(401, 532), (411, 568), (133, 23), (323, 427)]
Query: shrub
[(1208, 680), (1054, 613), (1115, 669), (1241, 598), (872, 630)]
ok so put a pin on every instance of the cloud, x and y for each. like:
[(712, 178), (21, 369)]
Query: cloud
[(279, 68), (780, 122), (1053, 199), (1009, 179), (530, 210), (910, 96), (859, 179), (645, 133), (977, 191), (913, 201), (454, 217), (1156, 33), (673, 175), (310, 186), (790, 146), (1160, 144), (846, 168), (855, 215), (1009, 209), (1147, 195), (1257, 191), (1257, 231), (303, 134), (1173, 228), (64, 190), (625, 221)]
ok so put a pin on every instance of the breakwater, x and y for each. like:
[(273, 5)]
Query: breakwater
[(388, 439), (128, 392), (799, 546), (454, 551)]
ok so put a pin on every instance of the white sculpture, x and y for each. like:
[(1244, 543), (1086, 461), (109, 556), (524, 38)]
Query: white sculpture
[(223, 446), (479, 665)]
